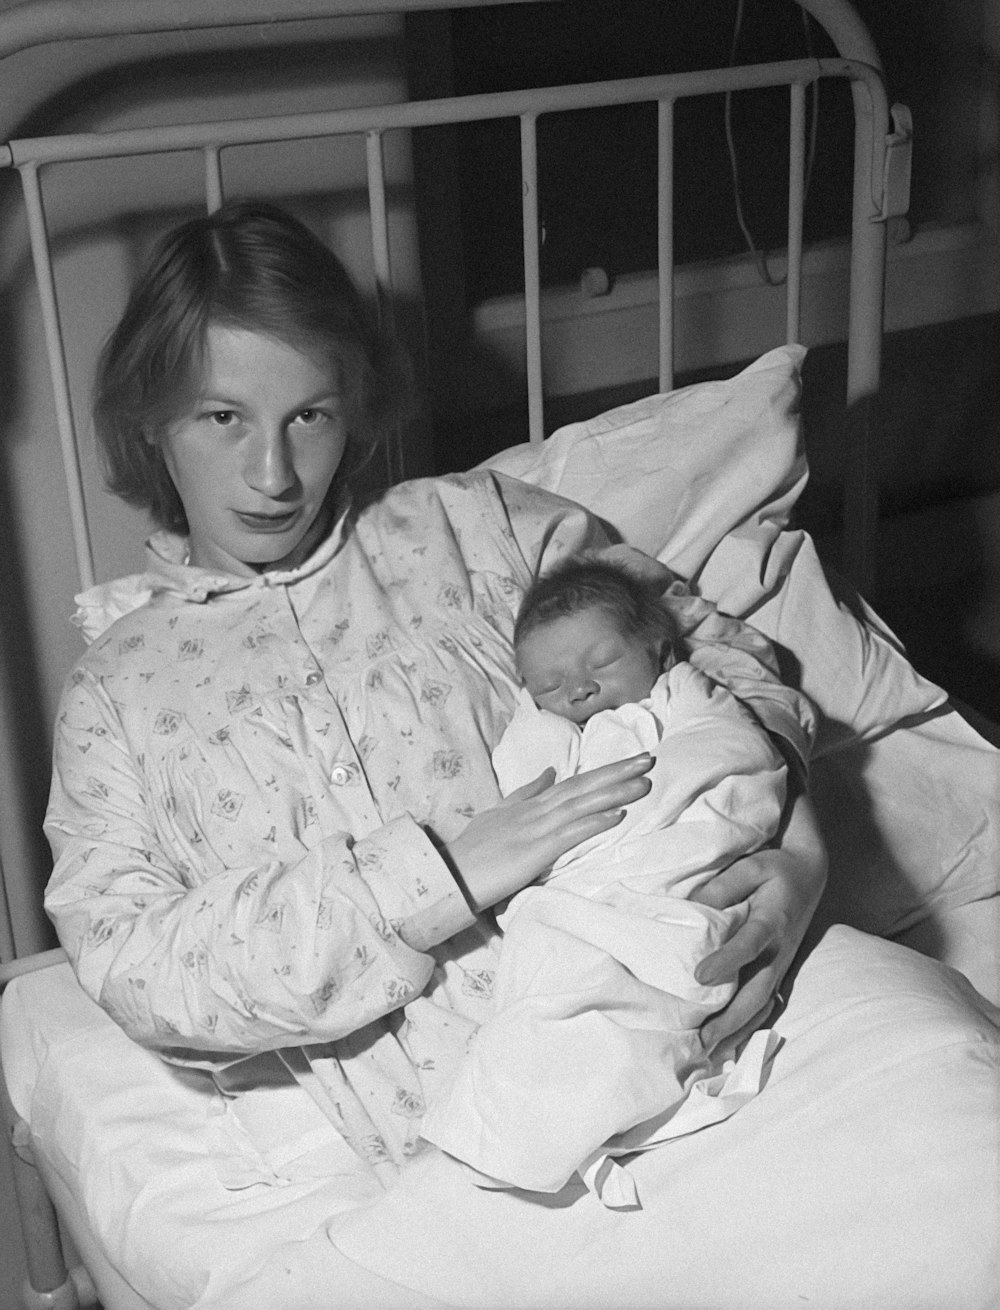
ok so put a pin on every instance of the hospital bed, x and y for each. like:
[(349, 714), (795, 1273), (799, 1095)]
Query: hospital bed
[(868, 1171)]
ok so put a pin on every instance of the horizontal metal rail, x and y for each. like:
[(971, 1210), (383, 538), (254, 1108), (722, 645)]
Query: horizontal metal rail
[(459, 109), (29, 155)]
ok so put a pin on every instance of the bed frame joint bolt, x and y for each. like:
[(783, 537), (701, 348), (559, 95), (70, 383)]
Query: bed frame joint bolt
[(897, 165)]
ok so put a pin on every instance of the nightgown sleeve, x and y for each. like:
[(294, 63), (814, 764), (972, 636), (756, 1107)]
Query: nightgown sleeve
[(252, 958)]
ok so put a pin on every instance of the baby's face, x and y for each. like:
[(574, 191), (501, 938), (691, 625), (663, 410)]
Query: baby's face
[(577, 665)]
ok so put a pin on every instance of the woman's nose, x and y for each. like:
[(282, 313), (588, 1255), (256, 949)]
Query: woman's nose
[(269, 467)]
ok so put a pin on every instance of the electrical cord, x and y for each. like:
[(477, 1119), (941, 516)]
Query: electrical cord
[(759, 256)]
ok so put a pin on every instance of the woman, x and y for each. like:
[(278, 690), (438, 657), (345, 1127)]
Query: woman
[(274, 818)]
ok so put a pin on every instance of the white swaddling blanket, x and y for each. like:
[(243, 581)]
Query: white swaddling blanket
[(594, 1050)]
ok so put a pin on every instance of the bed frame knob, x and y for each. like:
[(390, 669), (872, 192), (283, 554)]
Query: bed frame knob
[(594, 282), (77, 1293)]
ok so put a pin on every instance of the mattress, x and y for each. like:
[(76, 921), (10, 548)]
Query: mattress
[(888, 1072)]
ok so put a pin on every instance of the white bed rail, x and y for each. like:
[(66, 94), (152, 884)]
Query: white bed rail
[(880, 191), (874, 202)]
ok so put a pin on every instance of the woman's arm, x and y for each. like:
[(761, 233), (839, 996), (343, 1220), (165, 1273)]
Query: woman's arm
[(783, 885), (784, 882), (253, 958)]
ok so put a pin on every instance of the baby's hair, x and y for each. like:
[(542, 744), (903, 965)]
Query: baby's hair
[(247, 266), (582, 583)]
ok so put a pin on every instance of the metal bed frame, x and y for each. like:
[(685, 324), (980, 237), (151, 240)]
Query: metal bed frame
[(880, 191)]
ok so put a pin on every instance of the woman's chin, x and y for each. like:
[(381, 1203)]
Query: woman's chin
[(282, 554)]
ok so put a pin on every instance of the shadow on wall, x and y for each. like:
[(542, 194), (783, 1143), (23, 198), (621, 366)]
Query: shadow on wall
[(938, 459)]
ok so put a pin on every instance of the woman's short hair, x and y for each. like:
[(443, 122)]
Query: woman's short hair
[(251, 266), (582, 583)]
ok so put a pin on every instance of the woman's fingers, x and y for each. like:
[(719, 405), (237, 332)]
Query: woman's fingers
[(502, 849), (749, 943), (760, 971), (782, 887), (592, 802), (534, 788), (732, 885), (593, 781), (746, 1012), (596, 791)]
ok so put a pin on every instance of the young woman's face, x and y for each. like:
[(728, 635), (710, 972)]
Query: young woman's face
[(581, 663), (254, 456)]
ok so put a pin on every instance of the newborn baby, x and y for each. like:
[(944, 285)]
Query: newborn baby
[(593, 1050)]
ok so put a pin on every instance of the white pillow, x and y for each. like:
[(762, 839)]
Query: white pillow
[(705, 478), (675, 472), (833, 647)]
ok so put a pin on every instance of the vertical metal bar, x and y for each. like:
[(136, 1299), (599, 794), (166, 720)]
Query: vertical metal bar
[(8, 949), (378, 209), (796, 204), (57, 367), (47, 1281), (864, 354), (378, 218), (532, 276), (213, 177), (665, 239)]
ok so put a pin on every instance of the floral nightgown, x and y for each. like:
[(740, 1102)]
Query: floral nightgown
[(247, 771)]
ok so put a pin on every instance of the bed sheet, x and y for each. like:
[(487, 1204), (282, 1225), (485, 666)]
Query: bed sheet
[(888, 1073)]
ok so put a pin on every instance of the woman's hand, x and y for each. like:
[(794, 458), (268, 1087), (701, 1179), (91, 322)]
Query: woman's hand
[(503, 849), (783, 886)]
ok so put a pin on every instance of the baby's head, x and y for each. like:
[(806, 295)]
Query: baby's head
[(590, 637)]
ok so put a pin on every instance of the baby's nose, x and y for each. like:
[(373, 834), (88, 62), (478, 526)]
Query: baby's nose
[(584, 689)]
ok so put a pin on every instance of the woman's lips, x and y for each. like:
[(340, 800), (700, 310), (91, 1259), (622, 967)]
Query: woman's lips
[(267, 522)]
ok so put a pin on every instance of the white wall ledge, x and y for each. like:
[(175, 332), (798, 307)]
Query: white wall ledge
[(726, 314)]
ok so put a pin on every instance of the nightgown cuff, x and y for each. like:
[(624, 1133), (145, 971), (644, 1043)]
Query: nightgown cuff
[(422, 900)]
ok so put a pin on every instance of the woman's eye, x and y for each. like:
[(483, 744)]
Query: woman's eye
[(309, 418), (222, 418)]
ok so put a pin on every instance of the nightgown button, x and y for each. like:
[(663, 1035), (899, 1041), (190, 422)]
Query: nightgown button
[(339, 775)]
